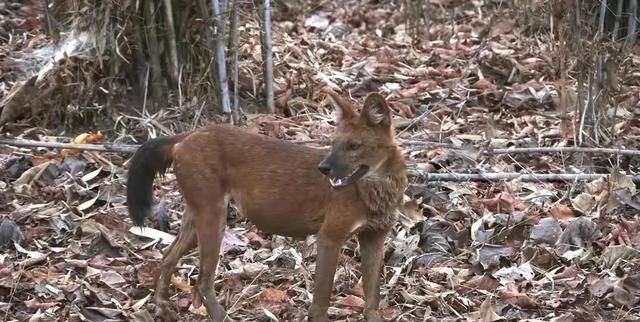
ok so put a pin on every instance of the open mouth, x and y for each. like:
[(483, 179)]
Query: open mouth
[(349, 179)]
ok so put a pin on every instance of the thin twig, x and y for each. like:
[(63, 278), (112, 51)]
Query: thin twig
[(415, 121), (462, 177)]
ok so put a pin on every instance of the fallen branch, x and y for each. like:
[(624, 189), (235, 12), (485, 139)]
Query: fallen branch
[(430, 177), (131, 148), (106, 147), (462, 177), (566, 150)]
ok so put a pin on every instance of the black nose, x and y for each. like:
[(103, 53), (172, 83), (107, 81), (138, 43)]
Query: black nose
[(324, 168)]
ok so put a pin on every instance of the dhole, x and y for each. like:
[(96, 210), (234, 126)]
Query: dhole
[(283, 188)]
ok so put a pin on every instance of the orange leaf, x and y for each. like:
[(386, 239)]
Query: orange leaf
[(351, 301), (84, 138), (512, 296), (562, 213), (274, 300), (180, 284), (273, 295)]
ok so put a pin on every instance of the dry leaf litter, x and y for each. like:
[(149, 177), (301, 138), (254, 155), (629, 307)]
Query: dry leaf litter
[(464, 251)]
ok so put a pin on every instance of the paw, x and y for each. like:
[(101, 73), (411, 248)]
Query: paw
[(164, 311)]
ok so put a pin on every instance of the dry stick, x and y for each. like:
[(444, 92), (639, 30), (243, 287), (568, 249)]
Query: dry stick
[(220, 58), (234, 61), (267, 53), (171, 35)]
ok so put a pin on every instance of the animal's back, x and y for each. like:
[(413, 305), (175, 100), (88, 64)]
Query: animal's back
[(270, 180)]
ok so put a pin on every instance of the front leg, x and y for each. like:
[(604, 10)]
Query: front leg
[(372, 256), (326, 263)]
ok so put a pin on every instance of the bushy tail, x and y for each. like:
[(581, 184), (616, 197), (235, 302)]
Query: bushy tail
[(153, 157)]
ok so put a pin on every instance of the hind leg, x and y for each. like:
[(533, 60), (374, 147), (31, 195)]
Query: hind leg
[(210, 221), (185, 241)]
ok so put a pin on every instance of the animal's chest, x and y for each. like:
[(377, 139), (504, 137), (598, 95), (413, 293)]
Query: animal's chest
[(384, 220), (382, 202)]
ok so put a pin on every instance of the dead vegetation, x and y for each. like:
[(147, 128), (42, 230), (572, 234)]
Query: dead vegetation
[(485, 76)]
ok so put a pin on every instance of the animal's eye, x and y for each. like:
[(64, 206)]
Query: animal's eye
[(353, 145)]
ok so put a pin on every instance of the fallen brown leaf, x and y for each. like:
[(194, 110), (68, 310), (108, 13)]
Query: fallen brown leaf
[(512, 296)]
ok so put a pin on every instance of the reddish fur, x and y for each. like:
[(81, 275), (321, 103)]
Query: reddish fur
[(278, 187)]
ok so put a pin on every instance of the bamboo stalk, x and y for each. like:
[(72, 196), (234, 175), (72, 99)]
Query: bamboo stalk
[(233, 47), (220, 57), (267, 55), (204, 12), (184, 10), (618, 18), (171, 39), (140, 65), (51, 23), (632, 24), (154, 50)]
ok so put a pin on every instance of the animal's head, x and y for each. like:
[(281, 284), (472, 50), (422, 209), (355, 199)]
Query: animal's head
[(362, 141)]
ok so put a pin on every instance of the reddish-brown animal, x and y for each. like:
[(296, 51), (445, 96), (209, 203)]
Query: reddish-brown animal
[(283, 188)]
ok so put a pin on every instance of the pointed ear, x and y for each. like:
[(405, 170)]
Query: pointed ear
[(344, 109), (375, 110)]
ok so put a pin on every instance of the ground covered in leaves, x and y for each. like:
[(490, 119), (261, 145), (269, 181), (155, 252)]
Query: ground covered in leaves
[(465, 251)]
